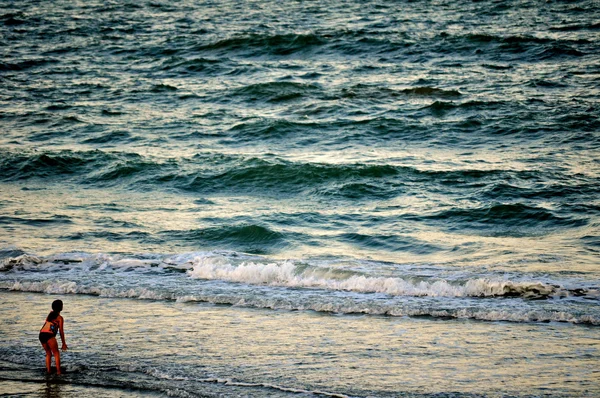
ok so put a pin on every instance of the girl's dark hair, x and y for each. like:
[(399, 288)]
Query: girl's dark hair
[(57, 306)]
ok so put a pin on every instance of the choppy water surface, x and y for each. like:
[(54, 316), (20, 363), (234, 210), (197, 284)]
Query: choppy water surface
[(395, 159)]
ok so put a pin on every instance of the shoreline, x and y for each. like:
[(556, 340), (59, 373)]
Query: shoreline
[(252, 348)]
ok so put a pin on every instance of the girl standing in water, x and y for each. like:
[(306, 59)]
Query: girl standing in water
[(54, 323)]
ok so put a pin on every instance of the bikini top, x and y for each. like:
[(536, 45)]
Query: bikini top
[(50, 327)]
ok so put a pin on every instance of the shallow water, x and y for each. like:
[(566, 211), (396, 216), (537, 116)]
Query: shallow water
[(188, 349), (422, 164)]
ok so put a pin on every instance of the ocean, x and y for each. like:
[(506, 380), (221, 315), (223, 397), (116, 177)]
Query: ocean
[(336, 198)]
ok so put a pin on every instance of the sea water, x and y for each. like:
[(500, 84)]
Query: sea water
[(336, 198)]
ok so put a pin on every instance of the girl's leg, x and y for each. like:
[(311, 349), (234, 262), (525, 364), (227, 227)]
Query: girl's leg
[(48, 356), (52, 343)]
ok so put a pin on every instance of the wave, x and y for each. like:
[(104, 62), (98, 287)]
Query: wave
[(514, 39), (354, 42), (111, 236), (114, 137), (283, 176), (558, 51), (546, 83), (238, 279), (27, 64), (161, 88), (576, 27), (431, 92), (209, 173), (213, 173), (444, 106), (513, 215), (58, 107), (193, 65), (18, 166), (278, 44), (36, 222), (287, 274), (583, 121), (124, 168), (203, 171), (266, 128), (501, 190), (250, 238), (391, 243), (98, 166), (275, 91), (356, 191), (344, 41), (379, 92), (14, 19), (497, 67), (346, 306), (93, 166), (511, 47), (487, 38), (380, 128)]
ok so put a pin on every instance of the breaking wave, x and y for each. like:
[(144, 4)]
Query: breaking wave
[(343, 306), (287, 274), (252, 281)]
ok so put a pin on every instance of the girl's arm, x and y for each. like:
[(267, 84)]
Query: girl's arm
[(61, 323)]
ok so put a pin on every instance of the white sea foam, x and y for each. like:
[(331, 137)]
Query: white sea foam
[(286, 274), (25, 261), (68, 287), (64, 287), (344, 306), (369, 294), (214, 266), (93, 262)]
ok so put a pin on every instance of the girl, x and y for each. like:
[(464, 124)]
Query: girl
[(54, 323)]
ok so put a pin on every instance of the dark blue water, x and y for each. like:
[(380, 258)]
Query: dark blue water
[(402, 158)]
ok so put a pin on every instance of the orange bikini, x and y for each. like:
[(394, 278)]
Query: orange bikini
[(48, 331)]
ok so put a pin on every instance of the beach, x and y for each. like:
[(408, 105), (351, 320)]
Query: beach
[(183, 349), (342, 198)]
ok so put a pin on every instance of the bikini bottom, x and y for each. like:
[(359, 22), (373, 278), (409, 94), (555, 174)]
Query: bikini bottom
[(44, 337)]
